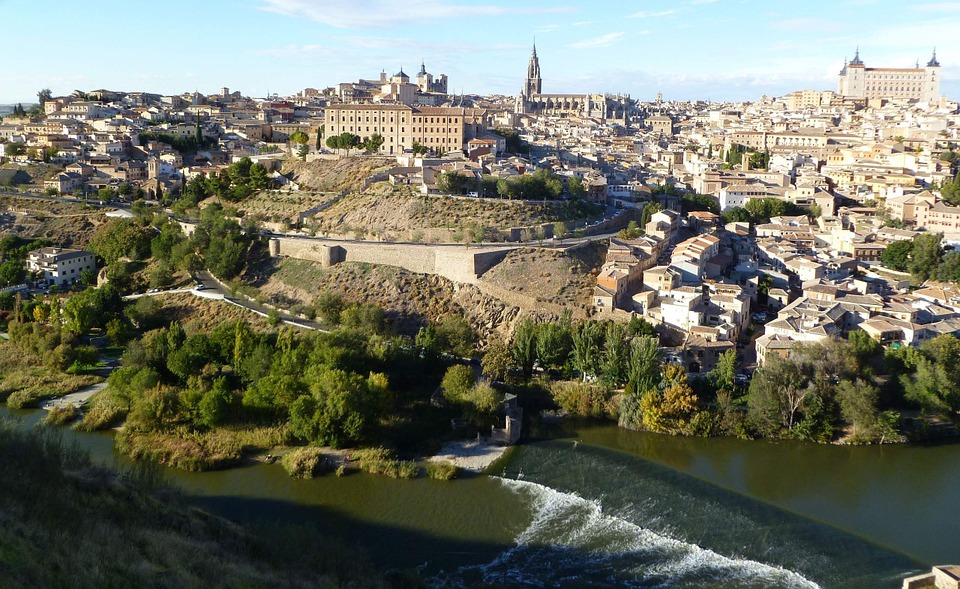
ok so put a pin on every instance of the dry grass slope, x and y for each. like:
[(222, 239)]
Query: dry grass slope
[(409, 299)]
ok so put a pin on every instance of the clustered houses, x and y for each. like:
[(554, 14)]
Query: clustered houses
[(695, 300), (99, 137), (860, 159)]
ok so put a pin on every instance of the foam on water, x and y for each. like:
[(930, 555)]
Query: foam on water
[(572, 542)]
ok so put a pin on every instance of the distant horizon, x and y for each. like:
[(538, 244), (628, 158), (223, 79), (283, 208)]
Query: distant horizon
[(733, 51)]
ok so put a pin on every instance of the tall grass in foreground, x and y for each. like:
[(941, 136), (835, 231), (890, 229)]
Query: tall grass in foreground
[(66, 522)]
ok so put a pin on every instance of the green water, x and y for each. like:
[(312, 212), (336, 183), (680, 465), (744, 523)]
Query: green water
[(627, 509)]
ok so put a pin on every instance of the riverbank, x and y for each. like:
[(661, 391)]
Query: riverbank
[(470, 455)]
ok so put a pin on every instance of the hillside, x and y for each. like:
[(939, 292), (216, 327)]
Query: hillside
[(66, 224), (68, 523), (409, 299), (344, 174), (552, 280), (399, 213)]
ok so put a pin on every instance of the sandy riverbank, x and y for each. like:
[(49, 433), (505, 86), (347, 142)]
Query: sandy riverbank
[(470, 455)]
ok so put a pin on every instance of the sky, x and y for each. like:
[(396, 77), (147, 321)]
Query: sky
[(716, 50)]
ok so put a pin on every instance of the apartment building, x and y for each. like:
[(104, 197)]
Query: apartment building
[(60, 266)]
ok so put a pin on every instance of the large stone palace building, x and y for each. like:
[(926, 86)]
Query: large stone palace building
[(533, 101), (859, 81), (441, 129)]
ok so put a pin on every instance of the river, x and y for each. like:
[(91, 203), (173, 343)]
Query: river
[(586, 504)]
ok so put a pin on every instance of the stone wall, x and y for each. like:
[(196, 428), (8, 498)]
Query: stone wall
[(457, 263)]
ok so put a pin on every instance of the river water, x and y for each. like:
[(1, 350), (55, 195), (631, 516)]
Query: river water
[(586, 504)]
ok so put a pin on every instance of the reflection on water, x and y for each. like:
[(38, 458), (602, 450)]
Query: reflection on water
[(628, 508), (901, 496)]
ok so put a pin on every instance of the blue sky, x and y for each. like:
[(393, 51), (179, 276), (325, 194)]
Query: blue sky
[(687, 49)]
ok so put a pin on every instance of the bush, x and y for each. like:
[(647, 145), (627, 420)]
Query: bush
[(60, 415), (105, 413), (381, 461), (582, 399), (306, 463), (442, 471)]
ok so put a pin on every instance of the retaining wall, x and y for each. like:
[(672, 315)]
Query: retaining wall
[(457, 263)]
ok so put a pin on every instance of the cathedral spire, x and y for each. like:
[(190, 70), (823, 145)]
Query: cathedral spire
[(533, 84)]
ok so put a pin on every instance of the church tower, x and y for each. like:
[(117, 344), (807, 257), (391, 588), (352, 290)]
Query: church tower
[(533, 85), (931, 81)]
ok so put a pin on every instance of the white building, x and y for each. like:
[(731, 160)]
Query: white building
[(60, 266), (859, 81)]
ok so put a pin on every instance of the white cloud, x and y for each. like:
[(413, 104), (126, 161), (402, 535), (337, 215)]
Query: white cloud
[(938, 7), (601, 41), (659, 13), (388, 13)]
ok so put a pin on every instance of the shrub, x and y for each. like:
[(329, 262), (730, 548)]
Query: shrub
[(60, 415), (104, 413), (442, 471), (306, 463), (381, 461), (583, 399)]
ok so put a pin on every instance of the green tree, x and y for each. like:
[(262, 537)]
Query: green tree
[(736, 215), (585, 354), (858, 406), (643, 371), (553, 343), (722, 377), (865, 347), (648, 211), (329, 306), (44, 96), (456, 384), (12, 272), (949, 268), (631, 231), (616, 351), (897, 255), (925, 255), (497, 360), (373, 143), (524, 346), (299, 137), (575, 187), (457, 336), (218, 404), (935, 382)]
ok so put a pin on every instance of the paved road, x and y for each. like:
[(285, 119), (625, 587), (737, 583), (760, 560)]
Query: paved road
[(76, 399)]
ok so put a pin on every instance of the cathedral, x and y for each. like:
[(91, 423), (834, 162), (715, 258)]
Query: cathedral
[(916, 83), (532, 100)]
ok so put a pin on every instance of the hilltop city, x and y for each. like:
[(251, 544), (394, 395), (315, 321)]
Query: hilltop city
[(383, 265), (789, 201)]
